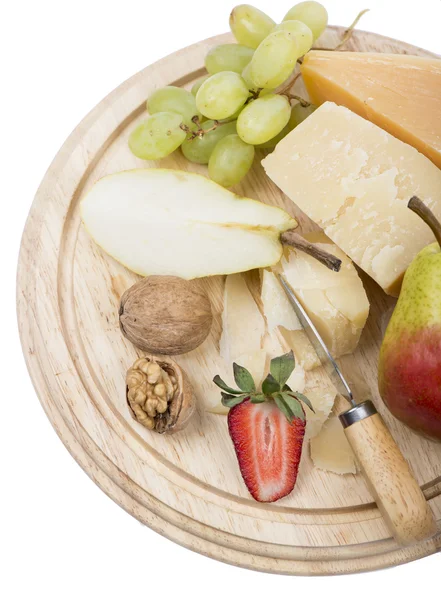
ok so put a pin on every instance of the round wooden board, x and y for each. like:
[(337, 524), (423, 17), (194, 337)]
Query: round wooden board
[(185, 486)]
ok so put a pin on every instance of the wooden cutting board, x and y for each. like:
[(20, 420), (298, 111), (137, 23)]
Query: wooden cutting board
[(186, 486)]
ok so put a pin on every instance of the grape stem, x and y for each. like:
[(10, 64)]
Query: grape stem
[(299, 99), (200, 131), (288, 84), (254, 95), (348, 32), (290, 238)]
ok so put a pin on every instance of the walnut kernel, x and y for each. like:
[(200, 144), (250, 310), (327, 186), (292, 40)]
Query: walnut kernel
[(159, 394)]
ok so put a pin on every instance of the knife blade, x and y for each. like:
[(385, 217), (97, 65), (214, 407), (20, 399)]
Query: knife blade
[(325, 357)]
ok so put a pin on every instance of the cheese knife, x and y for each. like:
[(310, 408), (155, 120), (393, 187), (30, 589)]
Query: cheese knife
[(387, 473)]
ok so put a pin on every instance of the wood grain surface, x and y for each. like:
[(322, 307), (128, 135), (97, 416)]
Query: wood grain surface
[(186, 486)]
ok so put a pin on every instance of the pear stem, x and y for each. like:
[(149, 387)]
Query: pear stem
[(427, 215), (290, 238)]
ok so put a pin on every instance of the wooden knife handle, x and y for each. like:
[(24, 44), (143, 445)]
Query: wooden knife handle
[(389, 477)]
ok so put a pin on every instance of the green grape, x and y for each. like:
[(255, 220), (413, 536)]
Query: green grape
[(174, 99), (312, 14), (300, 31), (251, 86), (299, 113), (158, 136), (250, 25), (228, 57), (247, 78), (276, 139), (199, 149), (234, 115), (263, 118), (221, 95), (230, 160), (274, 60), (197, 84)]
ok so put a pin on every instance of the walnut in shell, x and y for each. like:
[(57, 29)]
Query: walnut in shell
[(165, 315), (159, 394)]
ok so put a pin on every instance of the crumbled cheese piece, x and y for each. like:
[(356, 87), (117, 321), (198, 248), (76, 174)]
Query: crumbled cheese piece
[(330, 450)]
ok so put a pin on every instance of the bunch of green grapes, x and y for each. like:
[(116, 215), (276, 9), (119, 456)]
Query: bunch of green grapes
[(242, 102)]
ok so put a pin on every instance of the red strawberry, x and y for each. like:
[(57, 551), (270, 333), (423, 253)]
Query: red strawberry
[(267, 428), (268, 448)]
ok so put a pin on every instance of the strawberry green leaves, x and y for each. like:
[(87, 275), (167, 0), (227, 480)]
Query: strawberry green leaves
[(270, 386), (290, 406), (282, 367), (257, 398), (223, 386), (243, 379), (246, 385), (229, 400), (303, 398), (274, 388), (280, 371)]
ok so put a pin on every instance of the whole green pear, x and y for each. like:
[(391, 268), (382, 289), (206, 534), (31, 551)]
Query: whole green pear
[(409, 375)]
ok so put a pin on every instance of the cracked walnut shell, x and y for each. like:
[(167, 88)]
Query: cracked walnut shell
[(159, 395)]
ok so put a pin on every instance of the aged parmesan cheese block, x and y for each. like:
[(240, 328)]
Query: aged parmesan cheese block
[(397, 92), (335, 302), (330, 450), (355, 180)]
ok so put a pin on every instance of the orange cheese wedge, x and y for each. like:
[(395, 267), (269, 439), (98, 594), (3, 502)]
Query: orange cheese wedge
[(399, 93)]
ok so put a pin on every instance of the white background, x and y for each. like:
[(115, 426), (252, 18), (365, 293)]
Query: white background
[(60, 536)]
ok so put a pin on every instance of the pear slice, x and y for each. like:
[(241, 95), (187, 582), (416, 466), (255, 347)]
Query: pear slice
[(166, 222)]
